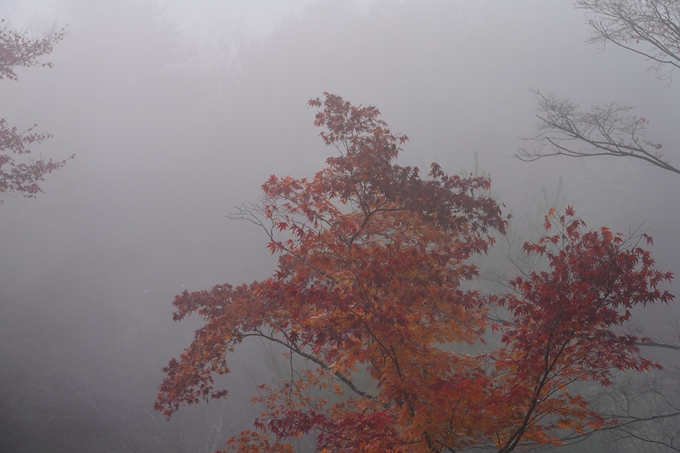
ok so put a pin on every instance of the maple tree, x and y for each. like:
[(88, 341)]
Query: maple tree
[(370, 293), (651, 29), (18, 172)]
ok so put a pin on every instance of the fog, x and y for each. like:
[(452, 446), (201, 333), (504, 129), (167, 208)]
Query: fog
[(178, 111)]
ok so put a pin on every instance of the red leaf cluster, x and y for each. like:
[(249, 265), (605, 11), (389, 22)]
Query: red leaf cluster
[(368, 292), (16, 175)]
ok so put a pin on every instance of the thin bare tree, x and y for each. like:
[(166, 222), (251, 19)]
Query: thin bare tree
[(650, 28)]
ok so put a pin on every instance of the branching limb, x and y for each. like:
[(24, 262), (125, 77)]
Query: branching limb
[(293, 348), (564, 129), (629, 23)]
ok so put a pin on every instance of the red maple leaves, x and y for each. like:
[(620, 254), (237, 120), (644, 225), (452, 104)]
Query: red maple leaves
[(368, 292), (19, 175), (567, 322)]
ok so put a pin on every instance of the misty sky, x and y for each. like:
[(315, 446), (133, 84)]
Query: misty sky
[(172, 128), (255, 18)]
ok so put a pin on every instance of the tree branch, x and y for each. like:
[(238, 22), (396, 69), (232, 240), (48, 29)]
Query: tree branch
[(565, 129)]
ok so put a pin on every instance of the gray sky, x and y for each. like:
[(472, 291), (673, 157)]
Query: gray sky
[(255, 18), (88, 270)]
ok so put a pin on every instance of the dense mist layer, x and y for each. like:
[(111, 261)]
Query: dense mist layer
[(175, 124)]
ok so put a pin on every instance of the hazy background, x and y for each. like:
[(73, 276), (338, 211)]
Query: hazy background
[(177, 112)]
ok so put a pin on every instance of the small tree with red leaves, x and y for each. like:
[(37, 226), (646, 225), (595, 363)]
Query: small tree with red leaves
[(19, 173)]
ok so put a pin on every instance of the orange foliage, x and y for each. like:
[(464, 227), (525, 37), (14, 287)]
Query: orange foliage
[(371, 261)]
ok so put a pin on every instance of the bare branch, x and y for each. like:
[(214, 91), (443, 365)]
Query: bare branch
[(565, 129), (631, 24), (659, 345)]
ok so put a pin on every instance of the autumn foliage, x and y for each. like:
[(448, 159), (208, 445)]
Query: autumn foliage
[(370, 293), (19, 174)]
